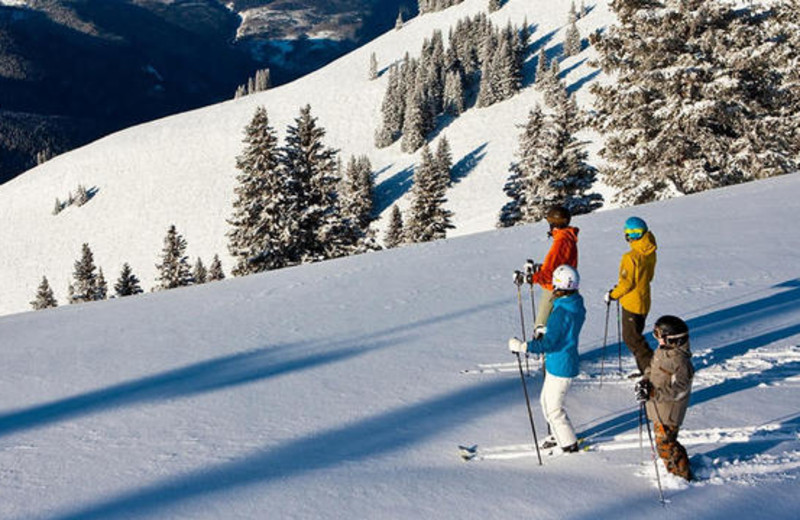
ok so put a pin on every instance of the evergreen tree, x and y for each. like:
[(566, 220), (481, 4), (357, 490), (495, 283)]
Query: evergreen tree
[(265, 211), (552, 86), (572, 37), (698, 102), (398, 24), (443, 162), (127, 284), (174, 270), (199, 273), (322, 230), (415, 121), (215, 272), (541, 69), (58, 207), (495, 5), (394, 231), (525, 174), (428, 219), (357, 191), (373, 66), (101, 293), (84, 286), (454, 97), (44, 296)]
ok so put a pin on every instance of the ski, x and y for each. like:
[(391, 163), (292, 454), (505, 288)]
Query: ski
[(630, 441)]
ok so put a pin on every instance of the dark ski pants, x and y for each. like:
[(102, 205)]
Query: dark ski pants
[(632, 327), (671, 451)]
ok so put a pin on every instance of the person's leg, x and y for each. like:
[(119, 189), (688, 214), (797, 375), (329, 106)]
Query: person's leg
[(671, 451), (632, 327), (544, 307), (552, 400)]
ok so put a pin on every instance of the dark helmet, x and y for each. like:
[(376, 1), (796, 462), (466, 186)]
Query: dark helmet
[(558, 216), (672, 330)]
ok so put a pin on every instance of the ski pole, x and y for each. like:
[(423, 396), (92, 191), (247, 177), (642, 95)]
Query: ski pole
[(653, 452), (619, 338), (518, 276), (528, 404), (605, 341), (641, 438)]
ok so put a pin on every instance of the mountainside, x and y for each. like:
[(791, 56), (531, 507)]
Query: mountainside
[(72, 71), (181, 170), (337, 390)]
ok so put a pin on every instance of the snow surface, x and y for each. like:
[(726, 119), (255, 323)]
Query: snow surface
[(337, 390), (181, 170)]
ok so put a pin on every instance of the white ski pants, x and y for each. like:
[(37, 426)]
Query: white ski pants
[(552, 400)]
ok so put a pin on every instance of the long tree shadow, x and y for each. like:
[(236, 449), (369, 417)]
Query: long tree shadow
[(467, 164), (577, 85), (751, 447), (392, 189), (371, 437), (219, 373), (769, 308)]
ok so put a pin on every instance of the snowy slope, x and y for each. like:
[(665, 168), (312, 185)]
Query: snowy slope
[(335, 390), (181, 170)]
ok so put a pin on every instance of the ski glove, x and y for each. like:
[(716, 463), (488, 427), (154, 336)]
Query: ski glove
[(607, 298), (539, 331), (517, 346), (531, 268), (519, 277), (643, 390)]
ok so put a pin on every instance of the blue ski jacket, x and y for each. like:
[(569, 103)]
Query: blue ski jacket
[(560, 342)]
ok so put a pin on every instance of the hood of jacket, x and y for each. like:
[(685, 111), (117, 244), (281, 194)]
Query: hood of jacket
[(567, 233), (572, 303), (645, 245)]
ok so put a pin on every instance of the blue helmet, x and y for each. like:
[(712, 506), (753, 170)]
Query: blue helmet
[(635, 228)]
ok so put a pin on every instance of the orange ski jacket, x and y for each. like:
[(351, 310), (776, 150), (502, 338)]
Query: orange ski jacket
[(564, 250)]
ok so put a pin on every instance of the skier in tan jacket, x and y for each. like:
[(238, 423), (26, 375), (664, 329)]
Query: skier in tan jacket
[(666, 388)]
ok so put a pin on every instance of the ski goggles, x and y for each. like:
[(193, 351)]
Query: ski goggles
[(634, 234), (671, 339)]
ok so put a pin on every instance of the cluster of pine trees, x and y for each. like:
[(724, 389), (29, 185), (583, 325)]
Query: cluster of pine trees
[(706, 95), (443, 81), (89, 284), (79, 197), (291, 205), (431, 6), (427, 218), (259, 82)]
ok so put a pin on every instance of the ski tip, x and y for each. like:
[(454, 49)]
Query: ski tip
[(467, 452)]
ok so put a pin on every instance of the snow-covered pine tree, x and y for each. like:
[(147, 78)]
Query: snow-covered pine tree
[(696, 104), (323, 231), (215, 272), (541, 70), (174, 270), (443, 161), (495, 5), (415, 121), (128, 283), (81, 195), (568, 176), (394, 231), (398, 23), (572, 36), (509, 75), (357, 191), (44, 296), (58, 207), (262, 80), (428, 219), (525, 174), (373, 66), (265, 211), (101, 293), (454, 98), (84, 285), (199, 272), (552, 86), (392, 111), (489, 90)]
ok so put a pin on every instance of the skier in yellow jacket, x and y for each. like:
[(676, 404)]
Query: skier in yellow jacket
[(636, 271)]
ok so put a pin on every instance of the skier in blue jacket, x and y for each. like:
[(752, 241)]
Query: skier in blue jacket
[(560, 347)]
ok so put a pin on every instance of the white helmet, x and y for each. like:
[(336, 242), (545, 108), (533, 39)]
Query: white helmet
[(566, 278)]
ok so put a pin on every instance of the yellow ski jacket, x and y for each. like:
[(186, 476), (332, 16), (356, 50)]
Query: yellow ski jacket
[(636, 270)]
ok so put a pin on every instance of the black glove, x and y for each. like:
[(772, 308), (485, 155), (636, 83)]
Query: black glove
[(532, 267), (643, 390), (519, 277)]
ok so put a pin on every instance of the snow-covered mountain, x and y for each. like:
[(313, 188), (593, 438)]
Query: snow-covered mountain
[(335, 390), (181, 170)]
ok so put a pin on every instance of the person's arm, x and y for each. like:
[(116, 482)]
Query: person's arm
[(626, 281), (552, 260), (680, 383), (553, 339)]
